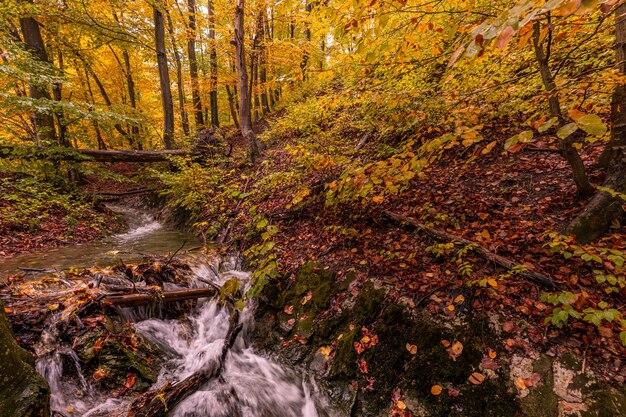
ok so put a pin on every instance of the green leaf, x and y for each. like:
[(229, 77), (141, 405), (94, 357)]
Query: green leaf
[(592, 125), (547, 124), (565, 131), (622, 337)]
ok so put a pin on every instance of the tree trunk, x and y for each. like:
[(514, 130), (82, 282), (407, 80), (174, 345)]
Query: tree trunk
[(96, 126), (57, 93), (215, 120), (231, 104), (103, 93), (134, 140), (307, 34), (193, 65), (570, 153), (603, 209), (42, 119), (164, 76), (179, 78), (245, 120), (618, 106)]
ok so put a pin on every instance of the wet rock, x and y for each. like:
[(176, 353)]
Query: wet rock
[(23, 392)]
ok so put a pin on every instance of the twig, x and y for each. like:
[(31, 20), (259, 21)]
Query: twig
[(174, 254)]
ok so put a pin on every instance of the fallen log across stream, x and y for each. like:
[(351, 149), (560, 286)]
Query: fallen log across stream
[(533, 276), (158, 402), (133, 300)]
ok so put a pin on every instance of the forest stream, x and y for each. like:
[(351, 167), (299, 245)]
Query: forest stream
[(261, 386)]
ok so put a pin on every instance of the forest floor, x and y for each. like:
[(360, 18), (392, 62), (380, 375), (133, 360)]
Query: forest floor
[(505, 202)]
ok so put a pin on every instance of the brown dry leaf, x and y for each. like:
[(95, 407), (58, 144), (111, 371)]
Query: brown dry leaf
[(445, 343), (411, 348), (436, 389), (476, 378), (288, 309), (459, 299)]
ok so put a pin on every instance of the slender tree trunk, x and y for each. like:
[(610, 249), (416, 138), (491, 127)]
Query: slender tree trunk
[(604, 209), (132, 95), (570, 153), (215, 121), (96, 126), (307, 35), (245, 120), (193, 65), (42, 119), (262, 63), (233, 109), (164, 76), (57, 93), (179, 77)]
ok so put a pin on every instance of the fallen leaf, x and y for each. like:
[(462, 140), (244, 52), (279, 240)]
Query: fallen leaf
[(325, 350), (519, 382), (476, 378), (459, 299), (99, 374), (436, 389), (455, 350), (411, 348), (508, 326), (492, 354), (363, 366), (97, 345), (445, 343), (401, 405), (306, 298), (130, 380), (288, 310)]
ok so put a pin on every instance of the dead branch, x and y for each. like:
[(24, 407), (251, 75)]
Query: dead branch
[(131, 300)]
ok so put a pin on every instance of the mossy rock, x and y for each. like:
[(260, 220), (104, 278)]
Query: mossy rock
[(23, 392), (605, 402), (117, 356)]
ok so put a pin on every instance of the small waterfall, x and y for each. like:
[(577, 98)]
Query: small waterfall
[(255, 385)]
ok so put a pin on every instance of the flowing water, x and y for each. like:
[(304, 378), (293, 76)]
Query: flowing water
[(257, 385), (145, 234)]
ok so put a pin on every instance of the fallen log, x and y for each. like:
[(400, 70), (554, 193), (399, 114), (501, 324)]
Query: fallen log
[(533, 276), (86, 155), (158, 402), (133, 156), (132, 300)]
